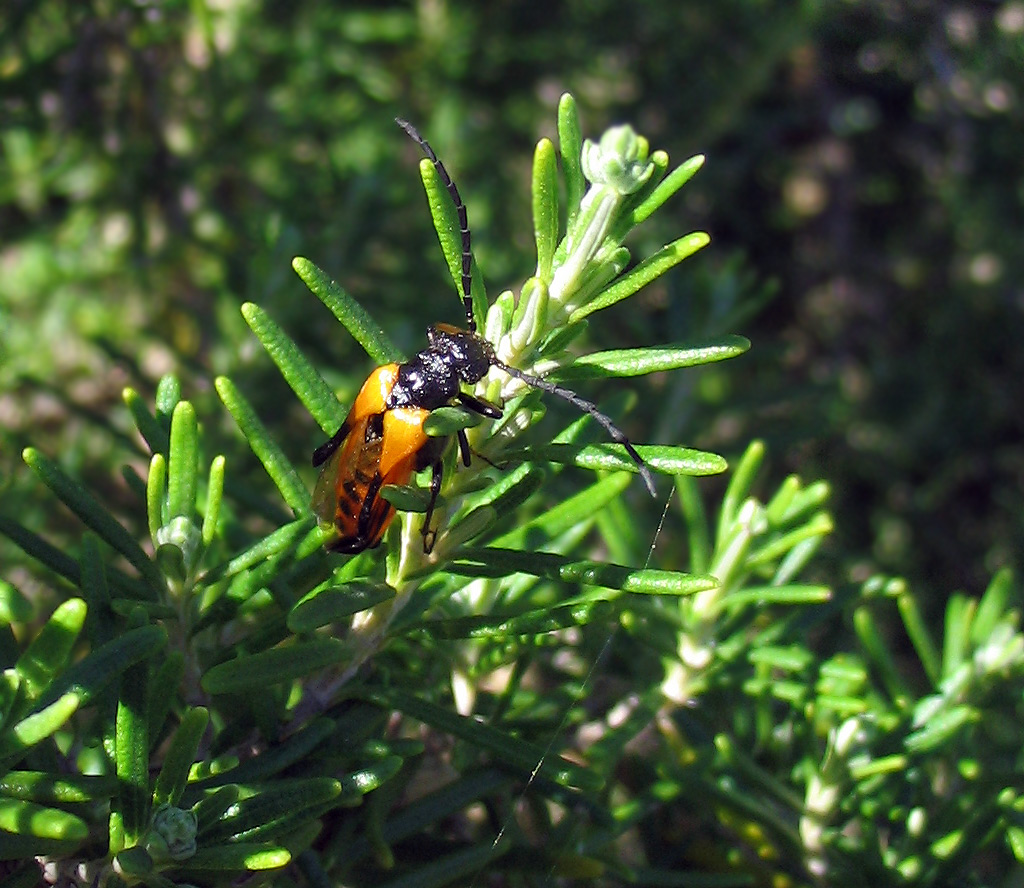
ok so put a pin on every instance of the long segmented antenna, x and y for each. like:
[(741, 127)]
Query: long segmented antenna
[(460, 208), (590, 408)]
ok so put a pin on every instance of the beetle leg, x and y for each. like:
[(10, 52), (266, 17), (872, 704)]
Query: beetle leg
[(479, 405), (464, 450), (364, 533), (324, 451), (430, 535)]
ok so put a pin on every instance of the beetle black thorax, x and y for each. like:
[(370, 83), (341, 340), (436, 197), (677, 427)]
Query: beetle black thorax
[(431, 378)]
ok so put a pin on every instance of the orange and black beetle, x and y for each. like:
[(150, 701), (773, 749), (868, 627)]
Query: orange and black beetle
[(382, 440)]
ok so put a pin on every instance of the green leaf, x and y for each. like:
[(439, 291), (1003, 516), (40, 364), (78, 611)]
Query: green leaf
[(406, 497), (761, 596), (697, 527), (878, 651), (213, 805), (667, 187), (50, 650), (920, 635), (447, 801), (170, 783), (168, 393), (28, 819), (365, 780), (275, 806), (154, 434), (467, 526), (597, 275), (293, 750), (164, 691), (509, 751), (330, 603), (17, 739), (214, 497), (790, 658), (819, 525), (545, 206), (131, 745), (45, 553), (499, 316), (90, 675), (445, 421), (21, 848), (267, 451), (570, 144), (95, 516), (248, 856), (578, 509), (941, 728), (134, 863), (14, 606), (61, 789), (559, 339), (535, 622), (650, 269), (659, 161), (276, 543), (530, 316), (994, 607), (156, 488), (959, 619), (739, 486), (314, 393), (805, 501), (510, 491), (495, 562), (460, 867), (639, 361), (275, 665), (183, 462), (1015, 842), (446, 223), (613, 457), (100, 623), (367, 332)]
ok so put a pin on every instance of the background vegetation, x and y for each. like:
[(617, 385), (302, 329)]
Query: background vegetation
[(161, 164)]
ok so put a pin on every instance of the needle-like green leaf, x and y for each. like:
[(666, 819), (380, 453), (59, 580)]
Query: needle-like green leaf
[(570, 146), (651, 268), (314, 393), (511, 751), (267, 450), (446, 223), (275, 665), (85, 506), (639, 361), (183, 462), (545, 207), (367, 332)]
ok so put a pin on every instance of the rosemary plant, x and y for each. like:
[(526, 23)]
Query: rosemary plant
[(224, 703)]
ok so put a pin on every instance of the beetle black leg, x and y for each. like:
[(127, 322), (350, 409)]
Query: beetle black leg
[(479, 405), (468, 453), (363, 538), (324, 451), (430, 535), (464, 447)]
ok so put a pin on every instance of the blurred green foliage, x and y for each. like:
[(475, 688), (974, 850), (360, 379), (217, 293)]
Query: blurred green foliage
[(160, 164)]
